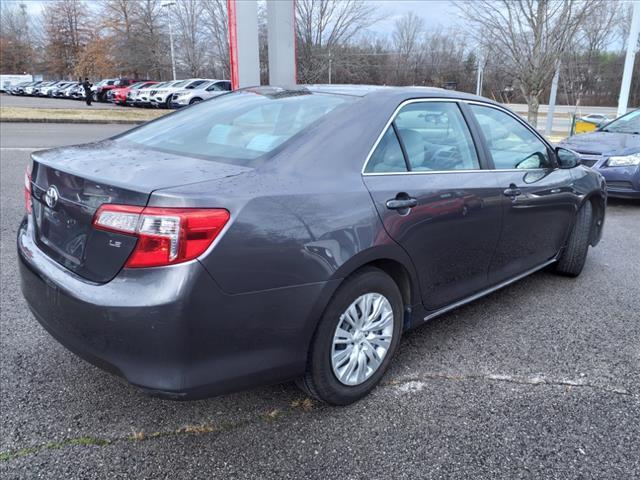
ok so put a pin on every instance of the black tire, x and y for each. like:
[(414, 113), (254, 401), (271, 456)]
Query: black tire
[(319, 380), (195, 100), (167, 103), (572, 259)]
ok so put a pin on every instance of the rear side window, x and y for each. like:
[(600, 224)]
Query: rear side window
[(238, 127), (512, 145), (435, 137), (387, 157)]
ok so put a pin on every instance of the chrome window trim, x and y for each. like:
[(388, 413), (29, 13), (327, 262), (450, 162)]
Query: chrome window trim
[(452, 100), (481, 170)]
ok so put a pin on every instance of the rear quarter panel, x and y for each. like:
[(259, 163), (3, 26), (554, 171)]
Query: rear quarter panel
[(305, 216)]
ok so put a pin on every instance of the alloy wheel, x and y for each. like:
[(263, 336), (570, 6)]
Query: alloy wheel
[(362, 339)]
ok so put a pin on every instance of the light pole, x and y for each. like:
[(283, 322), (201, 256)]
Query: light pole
[(632, 43), (480, 76), (173, 58)]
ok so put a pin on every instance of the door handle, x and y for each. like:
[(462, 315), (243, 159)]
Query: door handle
[(512, 191), (401, 203)]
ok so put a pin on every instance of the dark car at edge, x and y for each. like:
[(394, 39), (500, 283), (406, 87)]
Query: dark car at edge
[(276, 234), (613, 150)]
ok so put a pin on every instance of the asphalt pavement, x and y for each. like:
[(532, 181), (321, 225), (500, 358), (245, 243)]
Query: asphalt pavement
[(46, 102), (538, 380)]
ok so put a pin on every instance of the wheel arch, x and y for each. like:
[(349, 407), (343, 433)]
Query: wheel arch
[(599, 204)]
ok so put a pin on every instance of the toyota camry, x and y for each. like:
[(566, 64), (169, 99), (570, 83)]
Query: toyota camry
[(275, 234)]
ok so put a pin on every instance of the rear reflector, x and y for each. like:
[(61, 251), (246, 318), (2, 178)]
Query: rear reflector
[(27, 190), (165, 235)]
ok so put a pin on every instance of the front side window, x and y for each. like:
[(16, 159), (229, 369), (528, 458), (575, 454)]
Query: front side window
[(237, 128), (218, 87), (511, 144)]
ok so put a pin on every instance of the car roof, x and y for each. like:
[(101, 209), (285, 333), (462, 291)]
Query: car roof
[(400, 93)]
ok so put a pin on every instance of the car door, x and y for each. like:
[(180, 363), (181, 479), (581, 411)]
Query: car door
[(428, 184), (538, 198)]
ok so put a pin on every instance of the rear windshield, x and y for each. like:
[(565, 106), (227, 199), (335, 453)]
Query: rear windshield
[(237, 128)]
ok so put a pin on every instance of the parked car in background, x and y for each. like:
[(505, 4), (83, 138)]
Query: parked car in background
[(102, 91), (36, 89), (596, 118), (206, 90), (18, 89), (613, 150), (120, 95), (76, 92), (143, 96), (46, 90), (125, 97), (58, 90), (277, 234), (33, 86), (100, 88), (162, 96)]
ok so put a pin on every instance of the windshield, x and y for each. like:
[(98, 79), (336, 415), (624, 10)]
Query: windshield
[(237, 128), (629, 123), (178, 84)]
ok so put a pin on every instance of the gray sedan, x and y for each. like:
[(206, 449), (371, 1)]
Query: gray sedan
[(274, 234)]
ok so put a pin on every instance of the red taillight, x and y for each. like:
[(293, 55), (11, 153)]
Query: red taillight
[(27, 190), (165, 235)]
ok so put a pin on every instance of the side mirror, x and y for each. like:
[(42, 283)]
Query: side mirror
[(567, 158)]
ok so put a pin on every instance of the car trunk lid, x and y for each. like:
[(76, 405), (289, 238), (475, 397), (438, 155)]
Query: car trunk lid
[(69, 184)]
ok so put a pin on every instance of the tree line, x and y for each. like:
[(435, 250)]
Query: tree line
[(518, 43)]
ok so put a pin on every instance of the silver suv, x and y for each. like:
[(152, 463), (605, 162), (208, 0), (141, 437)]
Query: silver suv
[(182, 98)]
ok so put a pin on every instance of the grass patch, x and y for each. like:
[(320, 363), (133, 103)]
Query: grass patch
[(296, 406), (83, 441), (106, 115)]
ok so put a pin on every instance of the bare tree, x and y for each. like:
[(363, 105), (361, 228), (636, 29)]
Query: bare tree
[(531, 35), (153, 39), (190, 36), (16, 53), (407, 36), (66, 31), (217, 26), (324, 25)]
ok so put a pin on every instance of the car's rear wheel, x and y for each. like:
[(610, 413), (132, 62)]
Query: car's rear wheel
[(355, 339), (574, 256), (195, 100)]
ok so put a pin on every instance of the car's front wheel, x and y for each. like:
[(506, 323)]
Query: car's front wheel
[(574, 256), (355, 339)]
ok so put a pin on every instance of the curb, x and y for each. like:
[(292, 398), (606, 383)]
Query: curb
[(72, 120)]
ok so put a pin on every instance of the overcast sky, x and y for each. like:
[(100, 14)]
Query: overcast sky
[(434, 12)]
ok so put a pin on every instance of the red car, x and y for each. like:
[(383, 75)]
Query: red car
[(102, 88), (120, 94)]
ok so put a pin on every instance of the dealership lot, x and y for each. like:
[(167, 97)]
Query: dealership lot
[(541, 379)]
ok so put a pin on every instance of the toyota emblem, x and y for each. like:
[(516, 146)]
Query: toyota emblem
[(51, 196)]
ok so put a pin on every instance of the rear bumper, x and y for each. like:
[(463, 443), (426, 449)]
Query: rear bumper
[(171, 330)]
